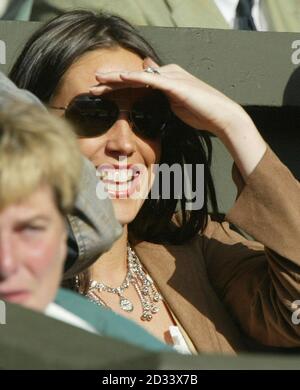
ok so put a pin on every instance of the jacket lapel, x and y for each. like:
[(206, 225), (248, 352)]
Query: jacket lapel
[(282, 15), (193, 13), (186, 290)]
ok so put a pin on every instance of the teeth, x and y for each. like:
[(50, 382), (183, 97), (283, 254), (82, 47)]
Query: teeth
[(111, 175), (117, 187), (121, 176), (126, 175)]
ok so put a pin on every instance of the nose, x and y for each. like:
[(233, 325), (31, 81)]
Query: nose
[(121, 139), (8, 261)]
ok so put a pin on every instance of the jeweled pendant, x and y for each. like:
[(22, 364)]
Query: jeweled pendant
[(125, 304)]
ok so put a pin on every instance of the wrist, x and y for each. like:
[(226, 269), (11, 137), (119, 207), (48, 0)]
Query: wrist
[(236, 122)]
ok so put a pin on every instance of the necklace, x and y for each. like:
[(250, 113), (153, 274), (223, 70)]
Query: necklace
[(139, 279)]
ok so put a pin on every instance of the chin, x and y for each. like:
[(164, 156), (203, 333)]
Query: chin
[(126, 210), (36, 304), (125, 218), (41, 298)]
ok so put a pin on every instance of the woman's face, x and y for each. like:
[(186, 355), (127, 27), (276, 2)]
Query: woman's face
[(32, 250), (124, 160)]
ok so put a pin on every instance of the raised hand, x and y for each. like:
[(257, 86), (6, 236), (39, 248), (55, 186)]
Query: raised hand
[(197, 104)]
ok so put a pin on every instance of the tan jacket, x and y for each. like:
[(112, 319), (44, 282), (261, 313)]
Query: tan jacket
[(281, 15), (220, 282)]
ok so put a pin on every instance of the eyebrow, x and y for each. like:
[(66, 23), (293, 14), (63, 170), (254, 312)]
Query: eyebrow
[(34, 218)]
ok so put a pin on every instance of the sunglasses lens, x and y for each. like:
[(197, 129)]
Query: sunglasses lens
[(91, 115), (150, 115)]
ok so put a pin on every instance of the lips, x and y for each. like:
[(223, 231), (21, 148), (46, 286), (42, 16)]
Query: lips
[(120, 181), (17, 296)]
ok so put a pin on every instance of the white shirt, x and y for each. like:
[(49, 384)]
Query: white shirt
[(3, 7), (59, 313), (228, 8), (179, 343)]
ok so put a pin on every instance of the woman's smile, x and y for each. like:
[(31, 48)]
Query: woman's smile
[(120, 181)]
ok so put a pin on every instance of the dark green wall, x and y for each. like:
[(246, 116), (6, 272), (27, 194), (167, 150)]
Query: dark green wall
[(253, 68)]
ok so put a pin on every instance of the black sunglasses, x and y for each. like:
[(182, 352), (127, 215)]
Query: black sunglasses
[(94, 115)]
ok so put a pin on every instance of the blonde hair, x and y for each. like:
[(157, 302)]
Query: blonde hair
[(37, 149)]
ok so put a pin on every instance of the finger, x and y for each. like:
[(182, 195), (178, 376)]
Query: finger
[(114, 79), (101, 89), (148, 62), (109, 81), (171, 71), (105, 88), (104, 77), (156, 81)]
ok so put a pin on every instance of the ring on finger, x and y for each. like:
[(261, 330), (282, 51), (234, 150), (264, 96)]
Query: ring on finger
[(152, 70)]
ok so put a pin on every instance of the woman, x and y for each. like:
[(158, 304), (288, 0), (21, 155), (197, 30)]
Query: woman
[(40, 168), (209, 285)]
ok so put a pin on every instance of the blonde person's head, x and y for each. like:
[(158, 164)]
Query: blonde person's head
[(40, 166), (37, 149)]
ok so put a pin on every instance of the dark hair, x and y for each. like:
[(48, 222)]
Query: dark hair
[(50, 52)]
